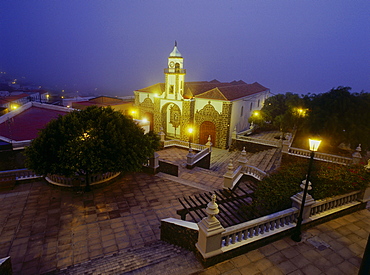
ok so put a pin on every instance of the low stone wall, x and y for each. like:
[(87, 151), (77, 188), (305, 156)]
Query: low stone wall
[(168, 168), (180, 233), (6, 266), (264, 241)]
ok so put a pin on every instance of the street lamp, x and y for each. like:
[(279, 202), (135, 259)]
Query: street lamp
[(314, 146), (190, 130)]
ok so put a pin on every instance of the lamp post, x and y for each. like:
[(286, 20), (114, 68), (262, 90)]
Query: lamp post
[(314, 146), (190, 130)]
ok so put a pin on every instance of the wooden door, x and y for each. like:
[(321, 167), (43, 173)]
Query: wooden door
[(207, 128)]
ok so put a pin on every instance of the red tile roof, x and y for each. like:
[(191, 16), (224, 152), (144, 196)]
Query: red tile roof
[(7, 99), (213, 89), (27, 124)]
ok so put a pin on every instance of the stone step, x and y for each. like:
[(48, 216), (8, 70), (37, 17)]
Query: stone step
[(137, 261)]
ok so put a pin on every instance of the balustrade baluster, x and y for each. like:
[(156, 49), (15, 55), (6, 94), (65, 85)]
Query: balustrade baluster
[(233, 238), (250, 232), (227, 240), (267, 227), (256, 230), (240, 236)]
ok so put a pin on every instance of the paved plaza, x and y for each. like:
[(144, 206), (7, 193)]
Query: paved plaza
[(115, 229), (44, 228)]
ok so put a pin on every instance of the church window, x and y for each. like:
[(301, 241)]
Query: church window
[(241, 111), (171, 89), (251, 107), (258, 102), (177, 67)]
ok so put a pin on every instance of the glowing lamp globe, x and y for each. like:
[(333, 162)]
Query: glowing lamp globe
[(314, 144)]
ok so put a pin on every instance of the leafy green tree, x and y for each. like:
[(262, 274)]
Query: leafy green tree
[(283, 111), (340, 116), (95, 140)]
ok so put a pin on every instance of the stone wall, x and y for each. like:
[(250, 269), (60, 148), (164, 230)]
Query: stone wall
[(179, 235), (224, 130)]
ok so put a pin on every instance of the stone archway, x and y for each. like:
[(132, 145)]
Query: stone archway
[(171, 118), (206, 129)]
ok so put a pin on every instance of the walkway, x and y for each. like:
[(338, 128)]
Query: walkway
[(115, 230)]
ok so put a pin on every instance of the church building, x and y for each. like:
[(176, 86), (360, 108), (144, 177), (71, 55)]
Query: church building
[(210, 108)]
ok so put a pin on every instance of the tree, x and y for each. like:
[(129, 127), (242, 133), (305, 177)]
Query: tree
[(95, 140), (283, 111), (340, 116)]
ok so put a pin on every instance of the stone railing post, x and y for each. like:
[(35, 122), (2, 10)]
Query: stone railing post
[(356, 156), (228, 176), (190, 159), (366, 194), (285, 146), (297, 201), (243, 160), (154, 162), (209, 143), (210, 229)]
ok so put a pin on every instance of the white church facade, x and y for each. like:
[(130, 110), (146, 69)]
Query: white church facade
[(211, 108)]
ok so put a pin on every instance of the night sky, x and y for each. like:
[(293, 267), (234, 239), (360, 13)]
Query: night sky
[(113, 47)]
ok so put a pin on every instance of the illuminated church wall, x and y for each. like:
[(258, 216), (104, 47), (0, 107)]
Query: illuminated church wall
[(176, 105)]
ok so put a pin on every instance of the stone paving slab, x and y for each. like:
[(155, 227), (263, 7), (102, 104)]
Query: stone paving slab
[(45, 228)]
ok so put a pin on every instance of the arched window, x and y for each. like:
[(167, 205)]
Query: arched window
[(250, 109), (241, 111), (258, 102)]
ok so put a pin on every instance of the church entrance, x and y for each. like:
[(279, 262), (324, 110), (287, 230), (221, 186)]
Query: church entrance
[(207, 128)]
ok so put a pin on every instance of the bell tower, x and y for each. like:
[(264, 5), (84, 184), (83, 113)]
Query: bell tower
[(175, 75)]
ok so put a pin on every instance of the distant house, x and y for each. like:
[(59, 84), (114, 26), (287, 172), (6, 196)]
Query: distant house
[(19, 127), (117, 104), (211, 108), (14, 100)]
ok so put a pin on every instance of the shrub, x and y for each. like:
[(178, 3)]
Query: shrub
[(274, 192)]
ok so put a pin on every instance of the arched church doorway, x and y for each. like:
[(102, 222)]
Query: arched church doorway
[(171, 118), (206, 129)]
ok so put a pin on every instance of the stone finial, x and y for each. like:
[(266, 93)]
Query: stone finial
[(303, 184), (209, 143), (230, 166), (162, 134), (356, 156), (212, 208), (358, 149)]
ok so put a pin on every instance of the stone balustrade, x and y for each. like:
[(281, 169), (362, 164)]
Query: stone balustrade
[(272, 143), (328, 204), (20, 174), (201, 154), (215, 240), (79, 181), (254, 172), (319, 156), (183, 144), (243, 233)]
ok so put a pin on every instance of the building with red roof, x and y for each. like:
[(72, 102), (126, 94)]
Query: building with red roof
[(211, 108), (20, 126), (116, 103)]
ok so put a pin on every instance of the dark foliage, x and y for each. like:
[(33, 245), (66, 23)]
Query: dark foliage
[(95, 140)]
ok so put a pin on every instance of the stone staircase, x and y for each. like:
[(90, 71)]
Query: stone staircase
[(267, 160), (157, 258)]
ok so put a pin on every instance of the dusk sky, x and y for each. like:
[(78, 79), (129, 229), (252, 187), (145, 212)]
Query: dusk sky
[(117, 46)]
